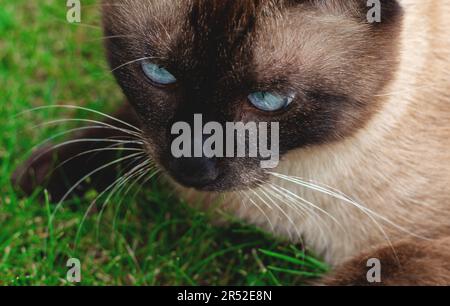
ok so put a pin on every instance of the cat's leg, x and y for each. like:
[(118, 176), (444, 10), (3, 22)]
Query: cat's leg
[(58, 168), (414, 262)]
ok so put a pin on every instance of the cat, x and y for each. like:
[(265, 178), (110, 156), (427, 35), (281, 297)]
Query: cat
[(363, 109)]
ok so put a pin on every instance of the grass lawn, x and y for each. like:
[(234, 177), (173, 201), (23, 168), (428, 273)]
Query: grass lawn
[(150, 239)]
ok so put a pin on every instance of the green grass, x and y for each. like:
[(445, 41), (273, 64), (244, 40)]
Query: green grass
[(156, 239)]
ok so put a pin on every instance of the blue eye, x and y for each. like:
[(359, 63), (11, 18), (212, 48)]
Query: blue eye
[(157, 74), (270, 102)]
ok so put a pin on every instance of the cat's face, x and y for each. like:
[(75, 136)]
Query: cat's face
[(315, 67)]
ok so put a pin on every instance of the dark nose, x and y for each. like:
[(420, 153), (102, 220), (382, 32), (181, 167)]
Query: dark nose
[(195, 172)]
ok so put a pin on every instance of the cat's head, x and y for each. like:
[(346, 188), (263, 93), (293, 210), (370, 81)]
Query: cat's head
[(314, 66)]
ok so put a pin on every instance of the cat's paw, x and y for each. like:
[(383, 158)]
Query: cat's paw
[(55, 170), (414, 262), (34, 172)]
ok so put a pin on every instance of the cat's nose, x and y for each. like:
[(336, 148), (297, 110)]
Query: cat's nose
[(195, 172)]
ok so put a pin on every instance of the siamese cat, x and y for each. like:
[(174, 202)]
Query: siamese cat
[(364, 121)]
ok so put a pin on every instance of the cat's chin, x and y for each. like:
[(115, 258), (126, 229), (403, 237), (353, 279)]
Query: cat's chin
[(216, 187)]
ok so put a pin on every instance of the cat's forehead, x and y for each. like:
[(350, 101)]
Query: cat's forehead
[(230, 10), (222, 36), (229, 15), (214, 29), (224, 20)]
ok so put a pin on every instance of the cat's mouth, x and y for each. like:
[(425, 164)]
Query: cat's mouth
[(212, 175), (203, 174)]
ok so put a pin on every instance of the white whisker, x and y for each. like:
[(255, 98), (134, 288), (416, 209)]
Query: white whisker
[(291, 221), (100, 123), (260, 209), (83, 140), (58, 206), (298, 205), (341, 196), (152, 174), (83, 109), (311, 205), (132, 62), (107, 149)]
